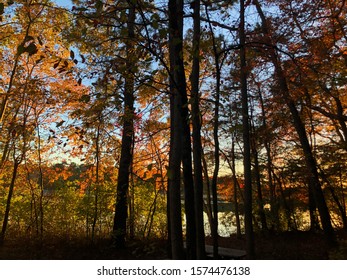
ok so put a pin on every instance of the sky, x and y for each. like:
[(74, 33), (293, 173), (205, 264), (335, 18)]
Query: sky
[(64, 3)]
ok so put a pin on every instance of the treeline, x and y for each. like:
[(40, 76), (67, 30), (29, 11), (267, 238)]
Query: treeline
[(155, 99), (72, 207)]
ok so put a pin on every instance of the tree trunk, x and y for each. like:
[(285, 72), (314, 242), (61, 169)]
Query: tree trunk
[(342, 195), (246, 139), (314, 223), (8, 202), (176, 85), (197, 145), (96, 190), (214, 230), (41, 208), (120, 218), (132, 199), (182, 116)]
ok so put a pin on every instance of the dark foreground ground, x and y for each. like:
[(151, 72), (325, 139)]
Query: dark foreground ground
[(280, 246)]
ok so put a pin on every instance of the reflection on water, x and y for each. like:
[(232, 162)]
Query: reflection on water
[(227, 222)]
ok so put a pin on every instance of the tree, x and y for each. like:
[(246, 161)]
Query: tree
[(119, 228), (246, 139), (177, 92), (196, 123), (300, 128), (30, 89)]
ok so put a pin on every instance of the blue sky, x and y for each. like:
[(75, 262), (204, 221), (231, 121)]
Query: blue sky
[(64, 3)]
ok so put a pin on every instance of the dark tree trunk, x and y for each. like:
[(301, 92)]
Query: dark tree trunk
[(343, 197), (97, 177), (132, 200), (182, 150), (314, 223), (341, 120), (8, 202), (335, 197), (197, 146), (120, 218), (246, 140), (214, 230), (177, 84)]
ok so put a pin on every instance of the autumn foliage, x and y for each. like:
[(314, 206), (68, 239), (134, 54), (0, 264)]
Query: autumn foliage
[(102, 116)]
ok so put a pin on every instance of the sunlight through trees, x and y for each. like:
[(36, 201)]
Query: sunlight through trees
[(139, 120)]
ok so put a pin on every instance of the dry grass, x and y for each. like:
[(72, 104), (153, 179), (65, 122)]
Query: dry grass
[(272, 246)]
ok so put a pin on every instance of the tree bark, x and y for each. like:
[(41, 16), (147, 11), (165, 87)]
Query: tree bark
[(97, 169), (197, 145), (214, 229), (177, 84), (246, 139), (8, 202), (120, 218)]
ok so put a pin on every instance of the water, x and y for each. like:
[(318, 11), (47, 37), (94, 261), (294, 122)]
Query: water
[(226, 224)]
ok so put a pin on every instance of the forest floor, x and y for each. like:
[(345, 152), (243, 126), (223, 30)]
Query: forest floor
[(294, 245), (274, 246)]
